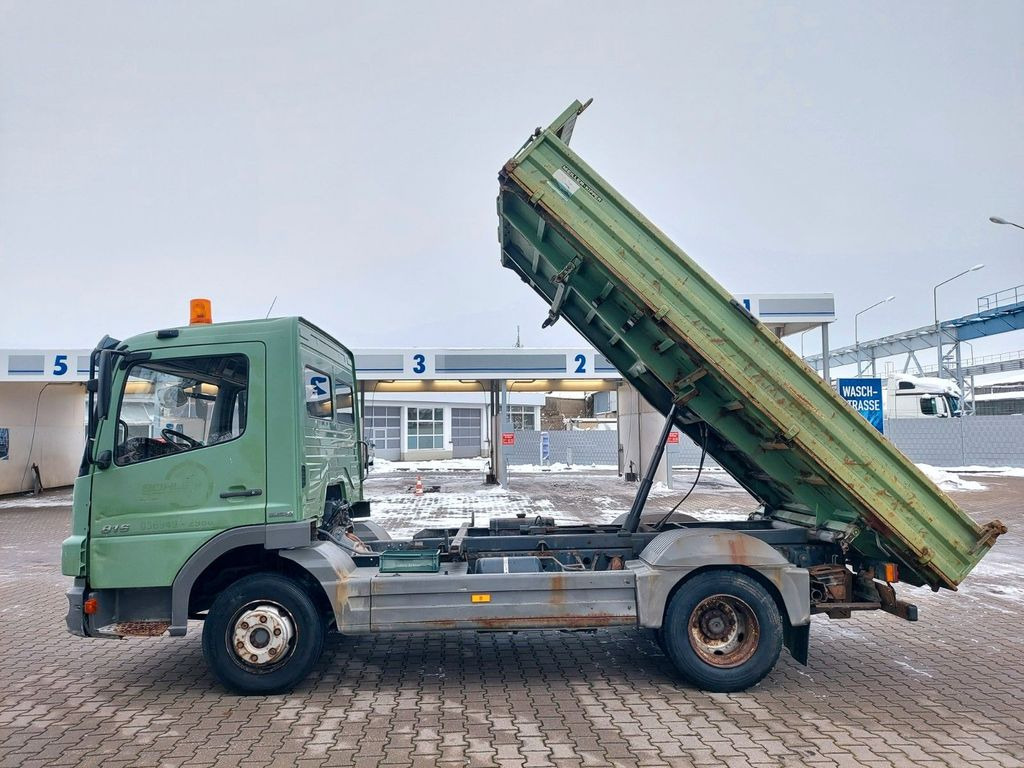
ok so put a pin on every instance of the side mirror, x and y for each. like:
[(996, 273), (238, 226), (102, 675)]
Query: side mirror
[(103, 460), (364, 449), (173, 397)]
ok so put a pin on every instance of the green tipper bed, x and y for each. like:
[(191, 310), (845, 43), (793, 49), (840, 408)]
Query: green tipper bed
[(677, 335)]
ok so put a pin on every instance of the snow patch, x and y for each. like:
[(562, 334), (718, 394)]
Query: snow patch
[(912, 669), (25, 501), (477, 464), (948, 481), (717, 515), (977, 469), (402, 514), (559, 467)]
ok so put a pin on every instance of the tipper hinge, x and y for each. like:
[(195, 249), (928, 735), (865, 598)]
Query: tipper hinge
[(563, 275), (781, 441), (684, 389), (561, 280), (846, 536)]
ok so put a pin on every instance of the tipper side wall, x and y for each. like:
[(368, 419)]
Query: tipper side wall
[(678, 336)]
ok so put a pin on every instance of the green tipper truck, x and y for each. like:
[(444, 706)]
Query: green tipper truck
[(222, 478)]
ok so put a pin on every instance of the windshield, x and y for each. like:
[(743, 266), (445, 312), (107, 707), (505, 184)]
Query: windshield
[(954, 405)]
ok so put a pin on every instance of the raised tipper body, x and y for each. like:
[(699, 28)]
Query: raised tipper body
[(679, 337)]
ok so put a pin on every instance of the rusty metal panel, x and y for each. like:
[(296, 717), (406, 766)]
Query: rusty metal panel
[(678, 336), (507, 601)]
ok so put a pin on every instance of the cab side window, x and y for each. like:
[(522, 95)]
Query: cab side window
[(319, 393), (182, 404), (344, 412)]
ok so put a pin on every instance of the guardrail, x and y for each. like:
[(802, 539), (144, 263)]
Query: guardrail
[(967, 363), (1001, 298)]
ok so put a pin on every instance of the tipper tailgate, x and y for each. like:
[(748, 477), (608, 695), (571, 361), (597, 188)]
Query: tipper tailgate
[(678, 336)]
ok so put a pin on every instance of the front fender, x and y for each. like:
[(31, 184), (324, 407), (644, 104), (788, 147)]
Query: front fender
[(335, 572), (672, 556)]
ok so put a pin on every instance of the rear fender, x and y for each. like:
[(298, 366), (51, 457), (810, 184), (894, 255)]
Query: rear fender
[(674, 556)]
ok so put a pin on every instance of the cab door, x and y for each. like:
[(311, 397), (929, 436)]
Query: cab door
[(186, 436)]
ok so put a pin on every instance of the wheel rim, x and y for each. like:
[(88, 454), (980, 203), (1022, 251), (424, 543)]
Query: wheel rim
[(261, 635), (724, 631)]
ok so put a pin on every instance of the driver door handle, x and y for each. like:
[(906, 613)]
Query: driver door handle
[(239, 494)]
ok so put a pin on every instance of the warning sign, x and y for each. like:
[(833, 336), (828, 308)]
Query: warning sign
[(508, 438), (673, 437)]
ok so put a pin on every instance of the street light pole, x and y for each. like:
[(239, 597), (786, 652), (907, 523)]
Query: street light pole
[(802, 342), (997, 220), (935, 307), (856, 333)]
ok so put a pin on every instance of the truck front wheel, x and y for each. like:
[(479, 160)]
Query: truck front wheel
[(263, 634), (723, 631)]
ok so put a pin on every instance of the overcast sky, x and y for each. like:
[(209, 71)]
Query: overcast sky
[(344, 157)]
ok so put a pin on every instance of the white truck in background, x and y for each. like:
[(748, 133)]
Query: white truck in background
[(921, 397)]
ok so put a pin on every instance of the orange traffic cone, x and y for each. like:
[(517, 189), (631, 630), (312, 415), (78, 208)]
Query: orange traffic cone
[(419, 485)]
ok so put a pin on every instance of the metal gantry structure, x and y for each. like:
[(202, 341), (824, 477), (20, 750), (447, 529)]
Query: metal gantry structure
[(997, 313)]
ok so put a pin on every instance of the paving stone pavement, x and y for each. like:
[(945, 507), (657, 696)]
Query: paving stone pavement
[(946, 691)]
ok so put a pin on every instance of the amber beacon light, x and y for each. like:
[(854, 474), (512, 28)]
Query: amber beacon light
[(200, 312)]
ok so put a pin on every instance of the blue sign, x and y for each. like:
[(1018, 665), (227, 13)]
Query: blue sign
[(315, 382), (865, 395), (545, 447)]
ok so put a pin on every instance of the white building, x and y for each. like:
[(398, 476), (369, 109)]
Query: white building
[(439, 425)]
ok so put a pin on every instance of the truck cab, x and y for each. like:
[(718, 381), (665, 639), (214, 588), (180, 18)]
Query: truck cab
[(216, 439), (922, 397)]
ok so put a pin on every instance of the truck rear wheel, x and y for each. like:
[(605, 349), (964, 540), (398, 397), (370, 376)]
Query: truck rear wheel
[(723, 631), (263, 635)]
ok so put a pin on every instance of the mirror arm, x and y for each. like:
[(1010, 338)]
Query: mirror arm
[(364, 470)]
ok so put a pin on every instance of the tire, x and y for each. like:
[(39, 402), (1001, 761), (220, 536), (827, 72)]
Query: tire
[(723, 631), (276, 628)]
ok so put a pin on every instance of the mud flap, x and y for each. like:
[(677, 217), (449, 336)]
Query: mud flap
[(797, 640), (76, 612)]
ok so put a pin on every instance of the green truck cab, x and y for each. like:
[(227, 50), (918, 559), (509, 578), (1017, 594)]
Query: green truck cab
[(209, 447), (222, 478)]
